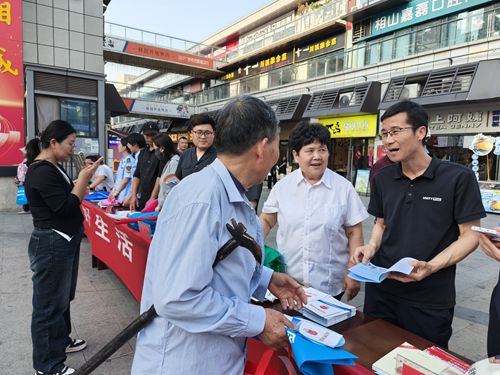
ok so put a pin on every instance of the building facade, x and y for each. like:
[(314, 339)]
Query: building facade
[(61, 75)]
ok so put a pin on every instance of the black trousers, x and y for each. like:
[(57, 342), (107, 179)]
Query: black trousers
[(493, 342), (431, 324)]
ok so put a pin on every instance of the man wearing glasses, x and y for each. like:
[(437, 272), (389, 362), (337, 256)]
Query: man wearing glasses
[(424, 209), (196, 158)]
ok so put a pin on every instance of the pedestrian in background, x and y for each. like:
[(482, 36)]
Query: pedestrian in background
[(271, 177), (165, 152), (146, 172), (103, 177), (194, 159), (125, 173), (135, 143), (182, 145), (22, 168), (54, 247), (492, 249), (282, 167)]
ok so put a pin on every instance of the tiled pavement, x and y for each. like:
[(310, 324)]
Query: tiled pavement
[(103, 306)]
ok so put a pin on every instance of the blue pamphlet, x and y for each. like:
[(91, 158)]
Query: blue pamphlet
[(370, 273), (317, 359)]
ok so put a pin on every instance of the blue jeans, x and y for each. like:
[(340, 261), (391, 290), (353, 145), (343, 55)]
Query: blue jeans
[(54, 262)]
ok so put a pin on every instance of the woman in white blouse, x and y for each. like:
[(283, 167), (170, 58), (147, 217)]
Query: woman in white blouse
[(319, 216)]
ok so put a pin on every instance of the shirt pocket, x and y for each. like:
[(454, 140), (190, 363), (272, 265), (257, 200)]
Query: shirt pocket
[(333, 216)]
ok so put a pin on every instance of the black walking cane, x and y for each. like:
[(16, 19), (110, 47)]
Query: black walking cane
[(239, 237)]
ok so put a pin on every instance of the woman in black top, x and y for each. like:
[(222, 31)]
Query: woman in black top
[(54, 246)]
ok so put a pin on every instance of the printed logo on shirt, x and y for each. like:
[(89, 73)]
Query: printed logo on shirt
[(435, 199)]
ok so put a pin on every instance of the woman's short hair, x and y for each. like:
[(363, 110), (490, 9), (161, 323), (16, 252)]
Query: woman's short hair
[(305, 133)]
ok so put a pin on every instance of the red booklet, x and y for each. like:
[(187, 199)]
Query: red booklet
[(447, 357)]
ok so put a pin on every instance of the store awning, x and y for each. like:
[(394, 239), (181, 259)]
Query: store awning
[(113, 101), (290, 108), (361, 98), (455, 84)]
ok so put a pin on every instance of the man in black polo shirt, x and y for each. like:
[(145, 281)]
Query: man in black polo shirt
[(146, 171), (196, 158), (424, 208)]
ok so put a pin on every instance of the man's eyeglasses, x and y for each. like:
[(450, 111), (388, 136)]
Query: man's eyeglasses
[(394, 132), (204, 133)]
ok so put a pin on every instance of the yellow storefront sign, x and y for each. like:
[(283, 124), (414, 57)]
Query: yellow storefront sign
[(351, 126)]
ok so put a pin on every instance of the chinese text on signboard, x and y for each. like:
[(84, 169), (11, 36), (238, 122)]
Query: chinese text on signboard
[(11, 83)]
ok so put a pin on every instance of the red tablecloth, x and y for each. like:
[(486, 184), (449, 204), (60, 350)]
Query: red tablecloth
[(120, 247)]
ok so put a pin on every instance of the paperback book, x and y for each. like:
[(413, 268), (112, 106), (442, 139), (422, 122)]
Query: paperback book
[(370, 273)]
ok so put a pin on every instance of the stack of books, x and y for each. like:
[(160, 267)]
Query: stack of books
[(407, 359), (323, 309)]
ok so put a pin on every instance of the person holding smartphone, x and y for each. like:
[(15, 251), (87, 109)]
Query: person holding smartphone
[(54, 247), (492, 249)]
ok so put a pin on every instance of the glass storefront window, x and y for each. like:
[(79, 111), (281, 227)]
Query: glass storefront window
[(82, 115), (250, 85), (451, 148)]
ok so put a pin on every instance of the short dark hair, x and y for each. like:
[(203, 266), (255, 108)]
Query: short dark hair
[(124, 142), (136, 139), (93, 158), (242, 122), (415, 113), (164, 141), (57, 129), (182, 138), (200, 119), (305, 133)]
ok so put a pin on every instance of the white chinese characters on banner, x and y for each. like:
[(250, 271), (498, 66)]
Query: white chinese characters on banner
[(102, 228), (124, 245), (86, 215)]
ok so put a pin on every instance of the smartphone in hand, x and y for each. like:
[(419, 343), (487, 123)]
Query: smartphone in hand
[(491, 233)]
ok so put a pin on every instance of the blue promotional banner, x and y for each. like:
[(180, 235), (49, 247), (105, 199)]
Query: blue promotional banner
[(418, 11)]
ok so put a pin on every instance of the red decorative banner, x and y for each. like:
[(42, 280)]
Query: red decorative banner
[(11, 83), (120, 247), (168, 55)]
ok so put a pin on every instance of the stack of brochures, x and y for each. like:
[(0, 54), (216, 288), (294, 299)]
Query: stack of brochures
[(324, 309), (407, 359), (370, 273)]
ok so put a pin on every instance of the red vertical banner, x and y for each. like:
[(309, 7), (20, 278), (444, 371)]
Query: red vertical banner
[(11, 83)]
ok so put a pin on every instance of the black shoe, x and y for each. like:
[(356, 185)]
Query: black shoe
[(76, 345)]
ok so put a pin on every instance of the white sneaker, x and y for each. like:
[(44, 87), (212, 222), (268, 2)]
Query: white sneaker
[(76, 345), (65, 371)]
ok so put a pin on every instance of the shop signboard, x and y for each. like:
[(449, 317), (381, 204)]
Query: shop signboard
[(418, 11), (319, 47), (157, 53), (361, 126), (263, 65), (268, 28), (11, 83), (459, 120), (153, 108)]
